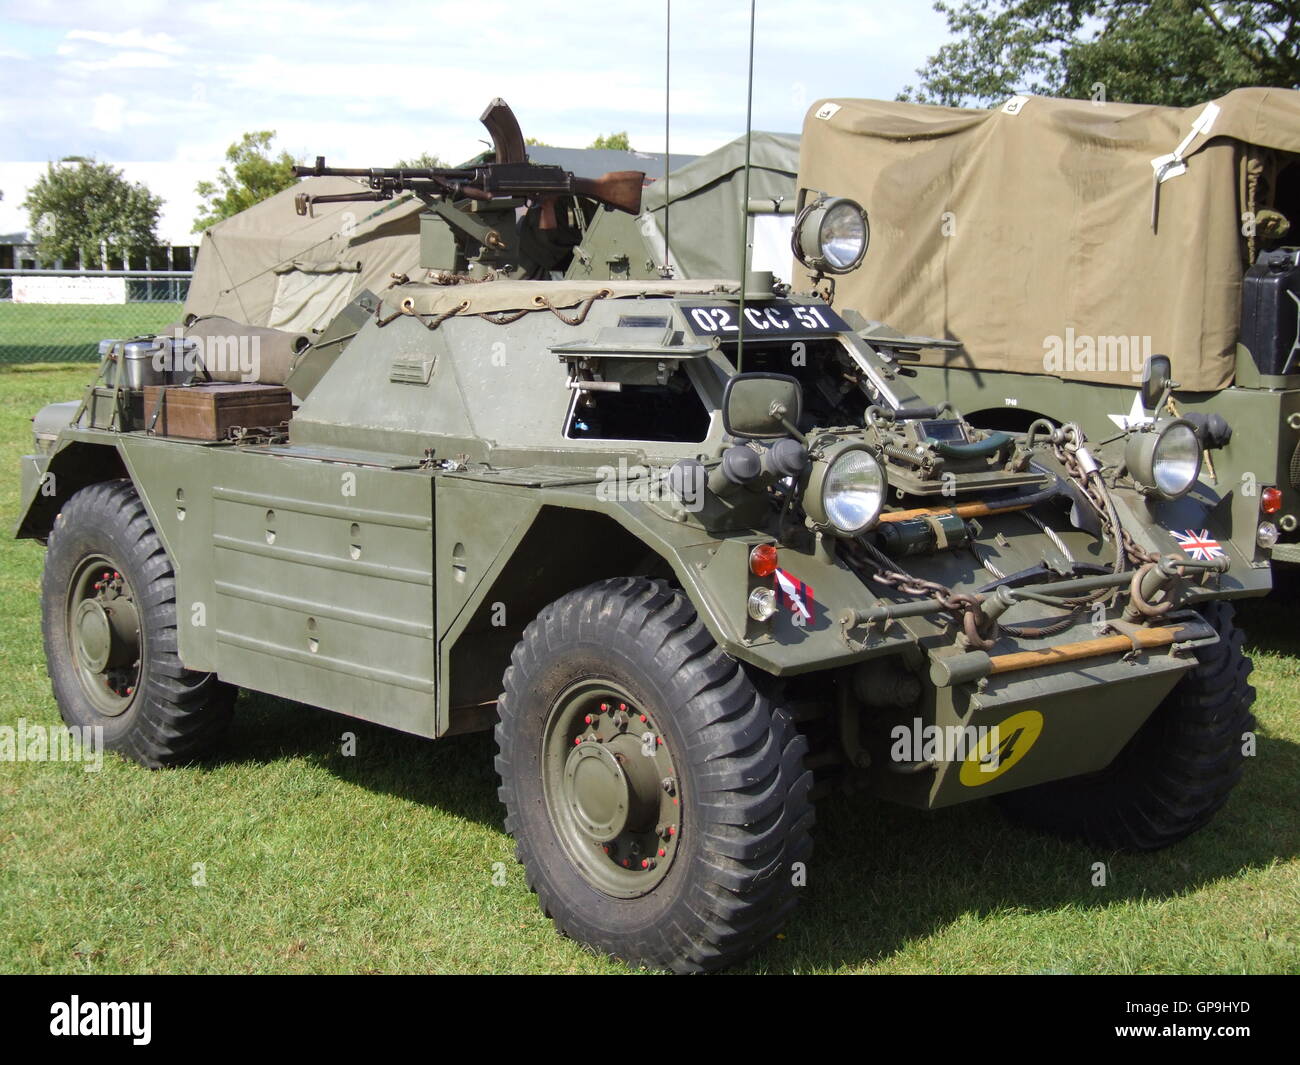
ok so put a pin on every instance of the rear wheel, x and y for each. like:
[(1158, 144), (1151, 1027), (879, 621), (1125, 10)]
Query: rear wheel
[(658, 800), (109, 622), (1174, 774)]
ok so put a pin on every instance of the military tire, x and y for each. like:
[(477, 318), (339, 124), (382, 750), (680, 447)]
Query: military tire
[(108, 597), (687, 878), (1174, 774)]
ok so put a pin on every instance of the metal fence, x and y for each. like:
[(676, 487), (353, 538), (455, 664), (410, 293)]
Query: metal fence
[(83, 308)]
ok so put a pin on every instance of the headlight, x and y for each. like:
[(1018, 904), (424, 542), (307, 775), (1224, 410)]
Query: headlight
[(831, 235), (846, 490), (1166, 460)]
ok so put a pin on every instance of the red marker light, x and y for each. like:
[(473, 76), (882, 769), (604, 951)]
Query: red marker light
[(762, 560), (1270, 500)]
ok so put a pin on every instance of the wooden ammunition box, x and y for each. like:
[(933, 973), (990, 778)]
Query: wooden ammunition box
[(208, 411)]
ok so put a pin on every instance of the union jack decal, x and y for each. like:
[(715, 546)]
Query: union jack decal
[(796, 596), (1199, 544)]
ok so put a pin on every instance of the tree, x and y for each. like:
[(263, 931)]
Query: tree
[(423, 161), (253, 176), (614, 142), (79, 206), (1172, 52), (537, 142)]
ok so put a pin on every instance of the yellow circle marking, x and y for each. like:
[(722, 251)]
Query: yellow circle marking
[(1004, 745)]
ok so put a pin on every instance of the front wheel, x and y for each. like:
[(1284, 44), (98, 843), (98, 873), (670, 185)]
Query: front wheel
[(108, 599), (1174, 774), (657, 798)]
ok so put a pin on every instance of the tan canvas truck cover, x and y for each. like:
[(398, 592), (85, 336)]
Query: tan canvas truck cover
[(1018, 228), (269, 266)]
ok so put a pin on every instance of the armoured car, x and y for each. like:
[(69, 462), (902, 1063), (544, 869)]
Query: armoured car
[(695, 550)]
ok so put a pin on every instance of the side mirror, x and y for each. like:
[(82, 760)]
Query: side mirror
[(762, 406), (1157, 375)]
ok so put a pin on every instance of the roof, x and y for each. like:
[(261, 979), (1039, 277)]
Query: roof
[(777, 152), (593, 162)]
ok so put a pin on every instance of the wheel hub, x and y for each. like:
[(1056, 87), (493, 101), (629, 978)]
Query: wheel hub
[(94, 635), (611, 788), (597, 791), (104, 634)]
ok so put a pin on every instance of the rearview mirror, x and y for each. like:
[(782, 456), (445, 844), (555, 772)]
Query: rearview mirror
[(761, 406), (1157, 372)]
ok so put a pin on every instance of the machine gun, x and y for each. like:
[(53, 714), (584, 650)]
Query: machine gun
[(509, 176)]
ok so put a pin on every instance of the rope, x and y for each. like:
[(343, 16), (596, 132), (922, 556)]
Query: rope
[(432, 321)]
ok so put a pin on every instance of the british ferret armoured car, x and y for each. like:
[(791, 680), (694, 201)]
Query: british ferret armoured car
[(695, 550)]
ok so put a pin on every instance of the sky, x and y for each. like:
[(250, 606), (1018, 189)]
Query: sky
[(161, 89)]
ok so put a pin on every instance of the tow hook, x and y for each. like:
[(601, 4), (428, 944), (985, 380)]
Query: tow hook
[(1162, 578)]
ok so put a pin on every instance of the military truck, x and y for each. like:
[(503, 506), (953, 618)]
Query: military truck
[(1057, 244), (696, 551)]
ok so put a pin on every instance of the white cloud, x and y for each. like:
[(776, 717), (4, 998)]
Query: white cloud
[(153, 80), (107, 112), (134, 39)]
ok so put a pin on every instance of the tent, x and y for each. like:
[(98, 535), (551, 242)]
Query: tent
[(1016, 229), (699, 205), (269, 266)]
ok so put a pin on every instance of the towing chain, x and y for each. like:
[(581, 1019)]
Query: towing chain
[(979, 630)]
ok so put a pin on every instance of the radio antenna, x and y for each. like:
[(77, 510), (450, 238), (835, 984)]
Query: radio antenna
[(667, 270), (744, 200)]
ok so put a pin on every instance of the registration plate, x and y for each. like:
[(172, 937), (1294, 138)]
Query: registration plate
[(765, 319)]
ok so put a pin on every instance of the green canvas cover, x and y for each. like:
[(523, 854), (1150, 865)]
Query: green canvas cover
[(1026, 231), (269, 266), (706, 211)]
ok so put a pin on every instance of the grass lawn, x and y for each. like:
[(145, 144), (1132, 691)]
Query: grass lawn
[(385, 862), (71, 332)]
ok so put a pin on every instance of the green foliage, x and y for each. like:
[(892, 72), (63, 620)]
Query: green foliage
[(252, 177), (423, 161), (1171, 52), (613, 141), (77, 205), (537, 142)]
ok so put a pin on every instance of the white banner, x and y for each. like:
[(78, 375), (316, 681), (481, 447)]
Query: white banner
[(69, 289)]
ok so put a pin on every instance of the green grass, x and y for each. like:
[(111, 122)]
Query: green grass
[(71, 332), (384, 862)]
